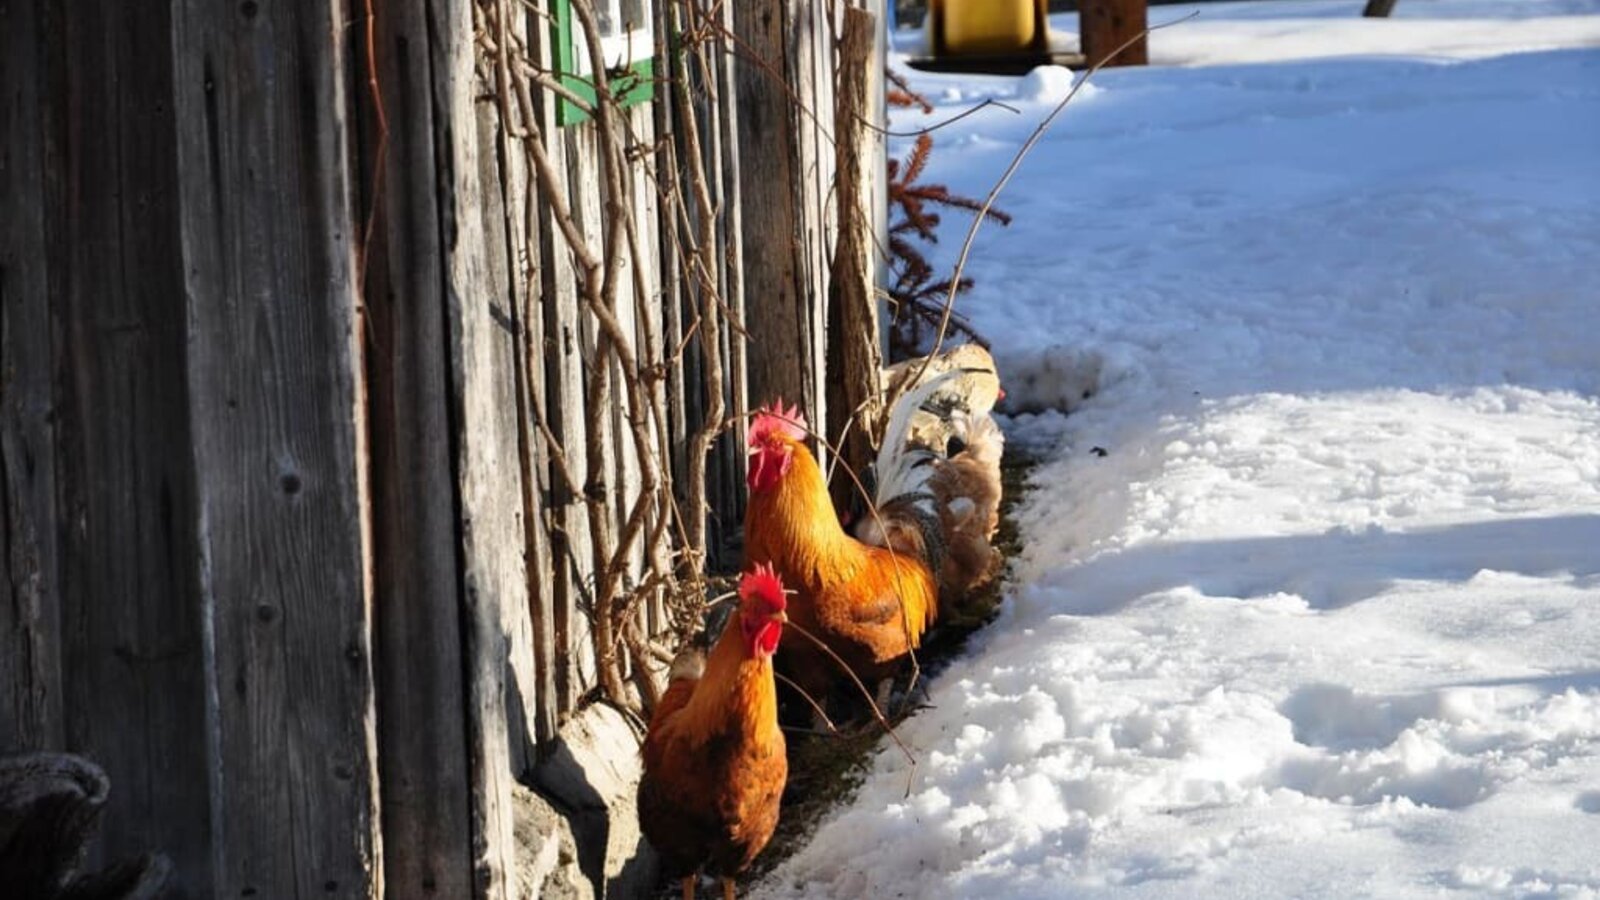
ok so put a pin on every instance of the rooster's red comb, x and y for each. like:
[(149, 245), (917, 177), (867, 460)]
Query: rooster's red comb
[(776, 419), (765, 583)]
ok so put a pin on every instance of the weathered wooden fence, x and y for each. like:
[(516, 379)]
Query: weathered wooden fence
[(298, 466)]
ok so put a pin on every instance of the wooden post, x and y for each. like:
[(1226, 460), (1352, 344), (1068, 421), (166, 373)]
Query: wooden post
[(1378, 9), (1104, 25), (780, 93), (853, 357)]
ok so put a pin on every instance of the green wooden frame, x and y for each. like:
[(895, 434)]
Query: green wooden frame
[(636, 85)]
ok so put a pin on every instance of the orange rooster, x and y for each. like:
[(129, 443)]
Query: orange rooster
[(714, 763), (870, 604)]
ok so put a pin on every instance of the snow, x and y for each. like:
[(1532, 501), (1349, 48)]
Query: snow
[(1324, 618)]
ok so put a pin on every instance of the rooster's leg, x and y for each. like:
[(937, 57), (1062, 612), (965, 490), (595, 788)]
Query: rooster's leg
[(727, 889), (884, 688), (688, 887)]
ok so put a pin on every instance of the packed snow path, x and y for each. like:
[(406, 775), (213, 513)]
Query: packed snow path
[(1324, 618)]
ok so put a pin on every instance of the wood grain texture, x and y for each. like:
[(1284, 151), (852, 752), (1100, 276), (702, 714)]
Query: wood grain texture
[(729, 468), (773, 36), (132, 655), (269, 248), (567, 517), (488, 469), (510, 222), (649, 326), (671, 272), (30, 668), (600, 391), (812, 35), (417, 654)]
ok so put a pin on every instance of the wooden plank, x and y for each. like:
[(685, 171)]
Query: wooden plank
[(730, 232), (875, 151), (566, 513), (417, 653), (583, 182), (30, 627), (269, 279), (709, 100), (1104, 25), (813, 68), (133, 654), (650, 327), (510, 214), (690, 108), (484, 358), (671, 275), (541, 699), (626, 478), (543, 707)]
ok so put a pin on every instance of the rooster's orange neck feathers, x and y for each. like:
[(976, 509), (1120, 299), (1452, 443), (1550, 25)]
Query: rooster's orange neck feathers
[(803, 495), (733, 680)]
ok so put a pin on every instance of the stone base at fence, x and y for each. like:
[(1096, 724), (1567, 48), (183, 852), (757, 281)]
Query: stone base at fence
[(547, 853), (592, 778)]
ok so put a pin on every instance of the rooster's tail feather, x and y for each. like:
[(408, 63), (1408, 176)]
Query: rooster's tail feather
[(981, 438), (904, 470)]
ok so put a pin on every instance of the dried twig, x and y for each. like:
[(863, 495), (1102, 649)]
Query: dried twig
[(625, 359), (832, 728), (994, 192), (381, 154), (987, 103)]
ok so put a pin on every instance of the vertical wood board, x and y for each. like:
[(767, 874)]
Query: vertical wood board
[(422, 719), (269, 280), (132, 658), (484, 410), (30, 639), (585, 203)]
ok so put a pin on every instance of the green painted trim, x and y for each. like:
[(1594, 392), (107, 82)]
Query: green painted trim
[(636, 85)]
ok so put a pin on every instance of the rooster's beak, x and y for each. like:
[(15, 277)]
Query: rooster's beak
[(781, 617)]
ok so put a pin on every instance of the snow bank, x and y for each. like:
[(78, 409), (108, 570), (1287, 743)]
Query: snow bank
[(1309, 600)]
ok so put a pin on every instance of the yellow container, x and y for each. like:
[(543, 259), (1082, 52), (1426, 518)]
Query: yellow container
[(987, 26)]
